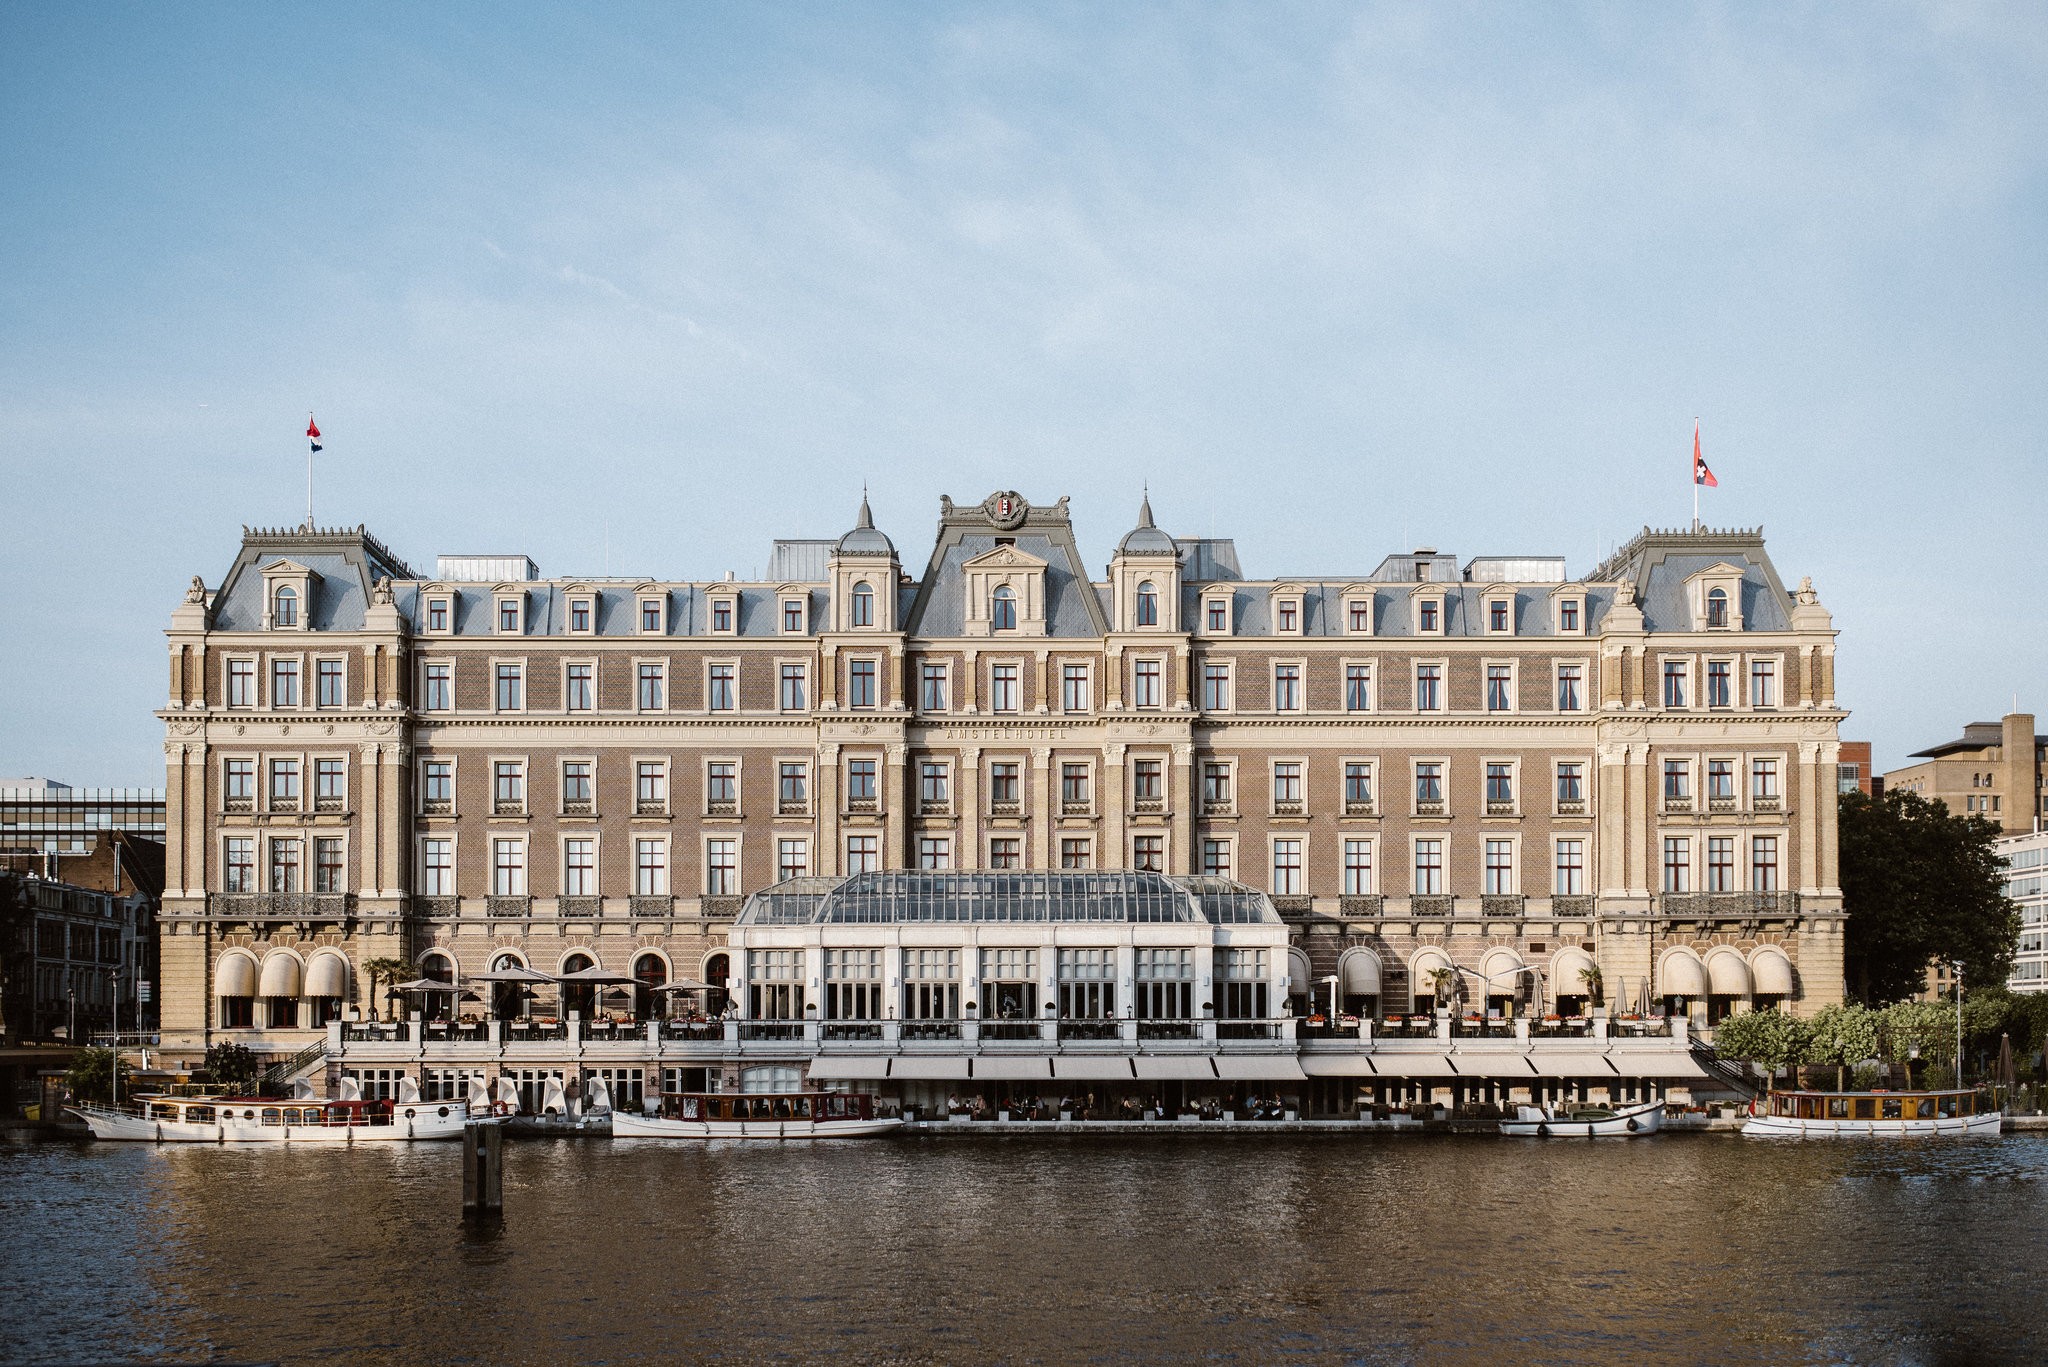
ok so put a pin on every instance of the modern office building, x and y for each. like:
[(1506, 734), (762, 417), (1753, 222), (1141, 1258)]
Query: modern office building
[(2026, 882), (1996, 769), (1489, 782)]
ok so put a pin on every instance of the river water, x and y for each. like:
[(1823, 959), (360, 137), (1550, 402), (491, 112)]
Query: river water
[(1396, 1249)]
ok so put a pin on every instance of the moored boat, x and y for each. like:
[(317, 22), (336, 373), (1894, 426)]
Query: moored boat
[(160, 1119), (1585, 1122), (756, 1115), (1889, 1115)]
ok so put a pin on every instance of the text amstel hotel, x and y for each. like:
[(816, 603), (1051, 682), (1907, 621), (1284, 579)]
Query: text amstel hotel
[(1491, 769)]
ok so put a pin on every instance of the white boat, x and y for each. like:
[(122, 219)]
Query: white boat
[(756, 1115), (157, 1119), (1875, 1115), (1585, 1122)]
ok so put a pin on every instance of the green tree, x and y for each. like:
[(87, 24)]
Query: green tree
[(1591, 978), (92, 1075), (1842, 1036), (387, 970), (232, 1067), (1772, 1040), (1920, 884)]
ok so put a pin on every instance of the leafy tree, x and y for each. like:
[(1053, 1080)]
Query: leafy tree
[(387, 970), (1843, 1036), (1929, 1027), (1920, 884), (1591, 978), (1771, 1039), (1445, 983), (231, 1066), (92, 1075)]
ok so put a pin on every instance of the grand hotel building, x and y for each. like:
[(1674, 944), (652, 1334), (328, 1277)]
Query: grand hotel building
[(1488, 778)]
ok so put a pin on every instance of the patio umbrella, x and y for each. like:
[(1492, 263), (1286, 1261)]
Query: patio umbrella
[(516, 975), (423, 985), (595, 977), (685, 985)]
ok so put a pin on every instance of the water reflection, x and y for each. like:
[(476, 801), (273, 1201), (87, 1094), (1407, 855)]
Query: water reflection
[(1687, 1249)]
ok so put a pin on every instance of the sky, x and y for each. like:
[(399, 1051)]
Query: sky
[(638, 289)]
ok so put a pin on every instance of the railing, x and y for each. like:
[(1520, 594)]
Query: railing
[(437, 908), (1405, 1027), (578, 906), (1505, 907), (437, 807), (1228, 1029), (1767, 804), (1005, 808), (1677, 804), (1290, 808), (1486, 1027), (721, 809), (850, 1030), (239, 804), (506, 806), (652, 906), (1366, 808), (719, 906), (934, 809), (1573, 905), (1148, 806), (1169, 1029), (508, 906), (771, 1030), (283, 804), (1721, 804), (1571, 806), (1219, 807), (1431, 905), (537, 1031), (698, 1032), (277, 1074), (127, 1039), (1371, 905), (1496, 808), (578, 808), (863, 806), (284, 906), (1430, 807), (793, 807), (1711, 905), (330, 804), (650, 806), (998, 1030), (1076, 808), (1293, 905), (1088, 1029), (373, 1032), (940, 1030)]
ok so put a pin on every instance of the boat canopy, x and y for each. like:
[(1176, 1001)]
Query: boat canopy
[(900, 896)]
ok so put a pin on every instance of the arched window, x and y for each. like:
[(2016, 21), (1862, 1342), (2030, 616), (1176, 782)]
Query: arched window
[(1003, 611), (438, 968), (578, 997), (1148, 605), (507, 999), (650, 974), (284, 607), (1717, 608), (863, 605), (717, 970)]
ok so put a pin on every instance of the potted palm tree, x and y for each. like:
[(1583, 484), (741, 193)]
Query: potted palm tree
[(1590, 977)]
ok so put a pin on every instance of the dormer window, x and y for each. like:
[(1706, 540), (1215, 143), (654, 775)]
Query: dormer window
[(1148, 604), (721, 615), (1717, 608), (284, 607), (1218, 614), (793, 616), (650, 615), (579, 614), (1568, 616), (508, 616), (1358, 616), (1429, 615), (1002, 610), (1498, 617), (437, 614), (862, 611), (1287, 615)]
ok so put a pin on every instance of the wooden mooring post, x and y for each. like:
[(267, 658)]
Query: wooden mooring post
[(483, 1171)]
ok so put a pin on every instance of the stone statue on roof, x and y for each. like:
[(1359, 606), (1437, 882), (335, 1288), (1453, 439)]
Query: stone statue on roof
[(380, 592), (197, 593), (1806, 596)]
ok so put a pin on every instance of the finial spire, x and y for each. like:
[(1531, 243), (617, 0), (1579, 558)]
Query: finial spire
[(1145, 507), (867, 519)]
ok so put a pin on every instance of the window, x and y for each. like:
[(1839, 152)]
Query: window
[(1148, 854), (1288, 615), (1500, 686), (1076, 852), (1358, 868), (722, 782), (1145, 683), (792, 786), (579, 868), (1717, 608), (284, 683), (862, 609), (1075, 786), (1429, 868), (1002, 614), (1286, 868), (284, 607), (508, 868), (792, 858), (1719, 692), (1500, 869), (860, 780), (1497, 615), (651, 687), (793, 688), (1677, 863), (1358, 615), (1763, 780), (1002, 688), (1216, 783), (935, 784), (1569, 698), (1570, 879), (1674, 683), (1287, 688), (722, 868), (508, 785), (1429, 783), (650, 868), (793, 616), (1500, 785), (650, 786), (576, 785), (1148, 605), (1287, 785), (1721, 780), (1763, 683), (1677, 780), (1763, 863), (1429, 615), (238, 780), (581, 692), (1074, 687), (650, 615), (1003, 784), (1216, 858), (861, 854), (1357, 786), (1148, 780), (722, 615), (241, 683), (440, 689), (437, 867), (723, 695), (437, 614), (331, 689), (284, 865), (330, 782), (239, 873), (1087, 983), (1219, 614), (1215, 686), (1720, 863), (934, 852), (1429, 681), (511, 690), (284, 783), (1568, 616), (860, 683), (1848, 778), (1358, 688), (579, 614), (1571, 784), (1005, 852), (437, 785), (508, 616), (932, 686)]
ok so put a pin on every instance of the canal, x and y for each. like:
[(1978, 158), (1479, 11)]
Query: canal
[(1704, 1248)]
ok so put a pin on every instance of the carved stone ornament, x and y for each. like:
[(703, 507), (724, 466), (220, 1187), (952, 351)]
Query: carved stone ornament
[(1006, 509), (945, 504), (1807, 597), (380, 593), (1625, 593), (197, 593)]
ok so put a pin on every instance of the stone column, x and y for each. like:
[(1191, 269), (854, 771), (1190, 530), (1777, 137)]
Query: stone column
[(1183, 801), (895, 798), (830, 859), (1043, 806), (1610, 844), (970, 682), (1115, 852), (968, 855), (1808, 824)]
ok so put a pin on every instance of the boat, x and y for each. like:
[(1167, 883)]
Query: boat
[(1585, 1122), (1893, 1115), (757, 1115), (162, 1119)]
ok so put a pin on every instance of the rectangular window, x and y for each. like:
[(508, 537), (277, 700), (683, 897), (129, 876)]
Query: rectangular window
[(1003, 784), (511, 691), (650, 786), (1145, 683), (508, 616), (1290, 615), (1148, 780), (1002, 688), (1568, 616), (437, 785), (437, 868), (1674, 683), (437, 614), (1216, 858), (1215, 687), (723, 694), (1721, 780), (1429, 682), (932, 687), (579, 868), (440, 687), (1219, 615), (1074, 688), (1287, 785), (934, 784), (1570, 880), (1076, 852), (576, 785), (793, 688), (1500, 683), (1497, 615), (1148, 853), (1718, 686), (792, 858), (579, 615), (1429, 783), (1005, 852), (1429, 614), (1358, 868), (722, 868), (862, 854), (1763, 683), (792, 787), (1571, 784), (1763, 863), (651, 689), (284, 865), (1848, 778), (1216, 783), (793, 615), (333, 690), (1763, 780), (860, 780), (650, 615), (1359, 612), (330, 781), (284, 783), (1677, 780), (1720, 863), (238, 780), (934, 852), (241, 683), (240, 871), (1677, 863), (1087, 983), (722, 783), (860, 683), (1358, 688), (1357, 786), (581, 692), (1075, 788), (508, 785), (1429, 868), (1500, 869), (1286, 868), (1287, 688), (508, 868), (1500, 785), (1569, 696), (650, 868), (284, 683)]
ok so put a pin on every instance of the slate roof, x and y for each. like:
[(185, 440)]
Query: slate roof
[(1066, 613)]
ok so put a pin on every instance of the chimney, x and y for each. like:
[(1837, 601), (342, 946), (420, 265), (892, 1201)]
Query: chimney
[(2020, 776)]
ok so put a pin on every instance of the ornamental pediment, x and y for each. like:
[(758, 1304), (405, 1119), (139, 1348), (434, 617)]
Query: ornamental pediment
[(1005, 558)]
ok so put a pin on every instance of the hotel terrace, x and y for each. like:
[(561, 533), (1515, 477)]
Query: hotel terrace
[(998, 824)]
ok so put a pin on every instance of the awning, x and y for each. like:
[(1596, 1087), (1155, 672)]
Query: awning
[(1346, 1064), (281, 975), (1425, 962), (1502, 969), (1773, 973), (1082, 1069), (1569, 1063), (235, 976), (1361, 973), (1727, 975), (1410, 1065), (1492, 1063), (1659, 1063), (1012, 1068), (328, 976), (849, 1069), (1300, 977), (1681, 975), (929, 1068), (1174, 1068), (1260, 1068), (1565, 967)]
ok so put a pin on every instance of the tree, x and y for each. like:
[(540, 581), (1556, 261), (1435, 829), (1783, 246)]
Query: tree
[(389, 970), (1445, 983), (92, 1075), (1772, 1040), (1920, 885), (17, 960), (1842, 1035), (231, 1066), (1591, 977)]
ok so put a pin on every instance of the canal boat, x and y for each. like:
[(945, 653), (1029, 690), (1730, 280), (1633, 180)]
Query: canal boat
[(1585, 1122), (757, 1115), (271, 1120), (1888, 1115)]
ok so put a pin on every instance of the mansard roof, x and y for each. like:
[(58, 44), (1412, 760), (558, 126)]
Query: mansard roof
[(1073, 608), (1659, 562), (348, 561)]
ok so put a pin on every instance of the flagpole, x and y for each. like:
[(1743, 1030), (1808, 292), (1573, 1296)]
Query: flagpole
[(1695, 476), (309, 473)]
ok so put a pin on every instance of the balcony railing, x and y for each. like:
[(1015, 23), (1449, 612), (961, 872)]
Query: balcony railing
[(330, 804), (653, 906), (719, 907), (1431, 905), (1294, 808), (1088, 1029), (283, 804), (1700, 906), (1227, 1029), (722, 808), (994, 1030), (1148, 806), (1370, 905), (850, 1030), (239, 804), (1502, 906), (509, 806), (1076, 808), (579, 906), (1429, 806), (1169, 1029), (437, 806), (1364, 808), (1571, 905), (1005, 808), (508, 906), (863, 806), (1773, 803), (1677, 804), (701, 1032), (1721, 804), (650, 806), (1219, 806), (1496, 807), (771, 1030), (1291, 904), (934, 807), (284, 906), (793, 806), (584, 808), (938, 1030), (1571, 806), (437, 908)]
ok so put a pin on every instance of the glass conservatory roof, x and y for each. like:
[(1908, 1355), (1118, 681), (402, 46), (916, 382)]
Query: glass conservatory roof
[(906, 895)]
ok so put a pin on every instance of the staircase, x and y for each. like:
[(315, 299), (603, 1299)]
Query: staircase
[(1731, 1075), (279, 1076)]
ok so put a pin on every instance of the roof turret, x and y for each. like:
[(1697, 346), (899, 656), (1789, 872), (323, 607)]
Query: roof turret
[(1145, 538), (864, 539)]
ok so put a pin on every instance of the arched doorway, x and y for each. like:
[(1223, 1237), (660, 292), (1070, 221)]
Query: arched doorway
[(438, 968), (650, 974), (508, 999), (717, 971), (579, 997)]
